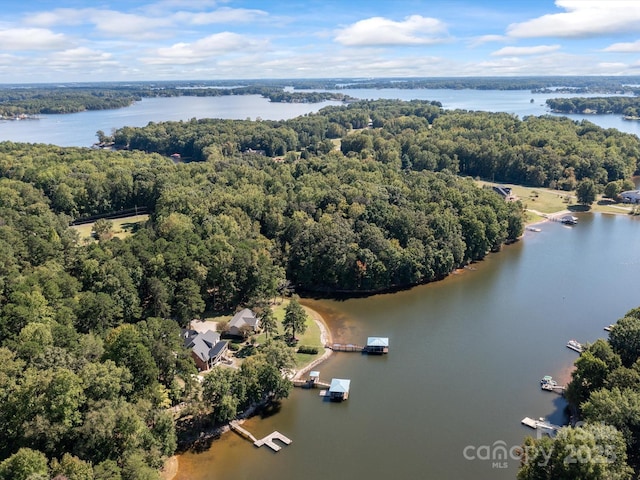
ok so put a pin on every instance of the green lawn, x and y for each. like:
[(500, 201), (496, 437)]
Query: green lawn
[(122, 227), (311, 337), (545, 200)]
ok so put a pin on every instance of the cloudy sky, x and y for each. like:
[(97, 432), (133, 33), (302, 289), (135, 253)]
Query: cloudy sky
[(89, 40)]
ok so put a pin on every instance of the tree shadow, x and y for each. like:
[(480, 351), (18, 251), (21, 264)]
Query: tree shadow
[(579, 208)]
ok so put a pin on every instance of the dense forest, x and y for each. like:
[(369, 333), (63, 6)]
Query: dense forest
[(627, 106), (355, 199), (544, 151)]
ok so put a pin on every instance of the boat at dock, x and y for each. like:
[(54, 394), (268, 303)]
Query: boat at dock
[(569, 220), (575, 345), (548, 380), (541, 424)]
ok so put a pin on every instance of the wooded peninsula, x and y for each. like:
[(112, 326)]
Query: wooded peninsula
[(366, 197)]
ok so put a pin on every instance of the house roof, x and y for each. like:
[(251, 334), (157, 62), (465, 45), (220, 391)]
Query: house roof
[(202, 344), (339, 385), (244, 317), (377, 342), (219, 347)]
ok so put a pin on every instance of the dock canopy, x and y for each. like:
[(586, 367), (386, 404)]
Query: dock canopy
[(339, 389), (377, 345), (377, 342)]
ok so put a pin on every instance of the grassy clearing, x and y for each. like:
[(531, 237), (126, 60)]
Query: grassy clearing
[(545, 200), (122, 227), (311, 336)]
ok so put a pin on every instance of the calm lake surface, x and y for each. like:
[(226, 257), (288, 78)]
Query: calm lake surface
[(79, 129), (466, 357)]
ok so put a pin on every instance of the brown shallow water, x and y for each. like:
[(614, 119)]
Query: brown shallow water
[(466, 356)]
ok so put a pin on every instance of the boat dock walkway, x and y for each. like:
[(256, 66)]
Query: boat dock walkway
[(268, 440), (310, 384), (349, 347)]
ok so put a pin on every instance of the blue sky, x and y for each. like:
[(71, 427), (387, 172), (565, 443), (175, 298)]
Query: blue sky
[(82, 40)]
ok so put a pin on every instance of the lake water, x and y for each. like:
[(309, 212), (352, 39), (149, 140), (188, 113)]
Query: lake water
[(79, 129), (466, 357)]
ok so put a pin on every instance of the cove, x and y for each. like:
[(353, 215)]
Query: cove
[(466, 356)]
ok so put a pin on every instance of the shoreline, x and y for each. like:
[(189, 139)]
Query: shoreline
[(172, 465), (325, 338)]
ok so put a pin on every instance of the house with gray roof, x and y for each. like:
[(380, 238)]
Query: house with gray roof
[(243, 321), (206, 348)]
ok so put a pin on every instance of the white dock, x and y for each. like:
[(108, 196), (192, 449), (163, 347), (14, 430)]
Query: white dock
[(539, 424), (269, 441)]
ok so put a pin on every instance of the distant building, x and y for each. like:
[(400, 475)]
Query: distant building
[(505, 192), (242, 321), (630, 196), (206, 348)]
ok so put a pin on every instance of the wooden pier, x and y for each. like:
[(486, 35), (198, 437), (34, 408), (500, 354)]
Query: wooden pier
[(235, 426), (342, 347), (268, 440), (310, 384)]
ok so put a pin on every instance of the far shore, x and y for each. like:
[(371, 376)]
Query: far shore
[(171, 465)]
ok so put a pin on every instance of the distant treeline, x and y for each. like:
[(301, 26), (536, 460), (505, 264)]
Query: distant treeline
[(544, 151), (51, 100), (628, 106), (43, 99)]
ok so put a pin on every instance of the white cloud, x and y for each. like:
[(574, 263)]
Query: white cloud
[(132, 26), (520, 51), (630, 47), (80, 55), (222, 15), (414, 30), (60, 16), (476, 42), (13, 39), (582, 18), (188, 53)]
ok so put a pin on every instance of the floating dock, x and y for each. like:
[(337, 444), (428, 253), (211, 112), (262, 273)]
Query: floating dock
[(541, 424), (268, 440)]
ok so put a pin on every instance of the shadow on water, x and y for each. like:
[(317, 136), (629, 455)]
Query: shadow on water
[(273, 408)]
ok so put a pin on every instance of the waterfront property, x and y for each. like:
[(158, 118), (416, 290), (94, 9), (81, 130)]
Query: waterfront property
[(630, 196), (339, 389), (245, 321), (206, 347), (377, 345)]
